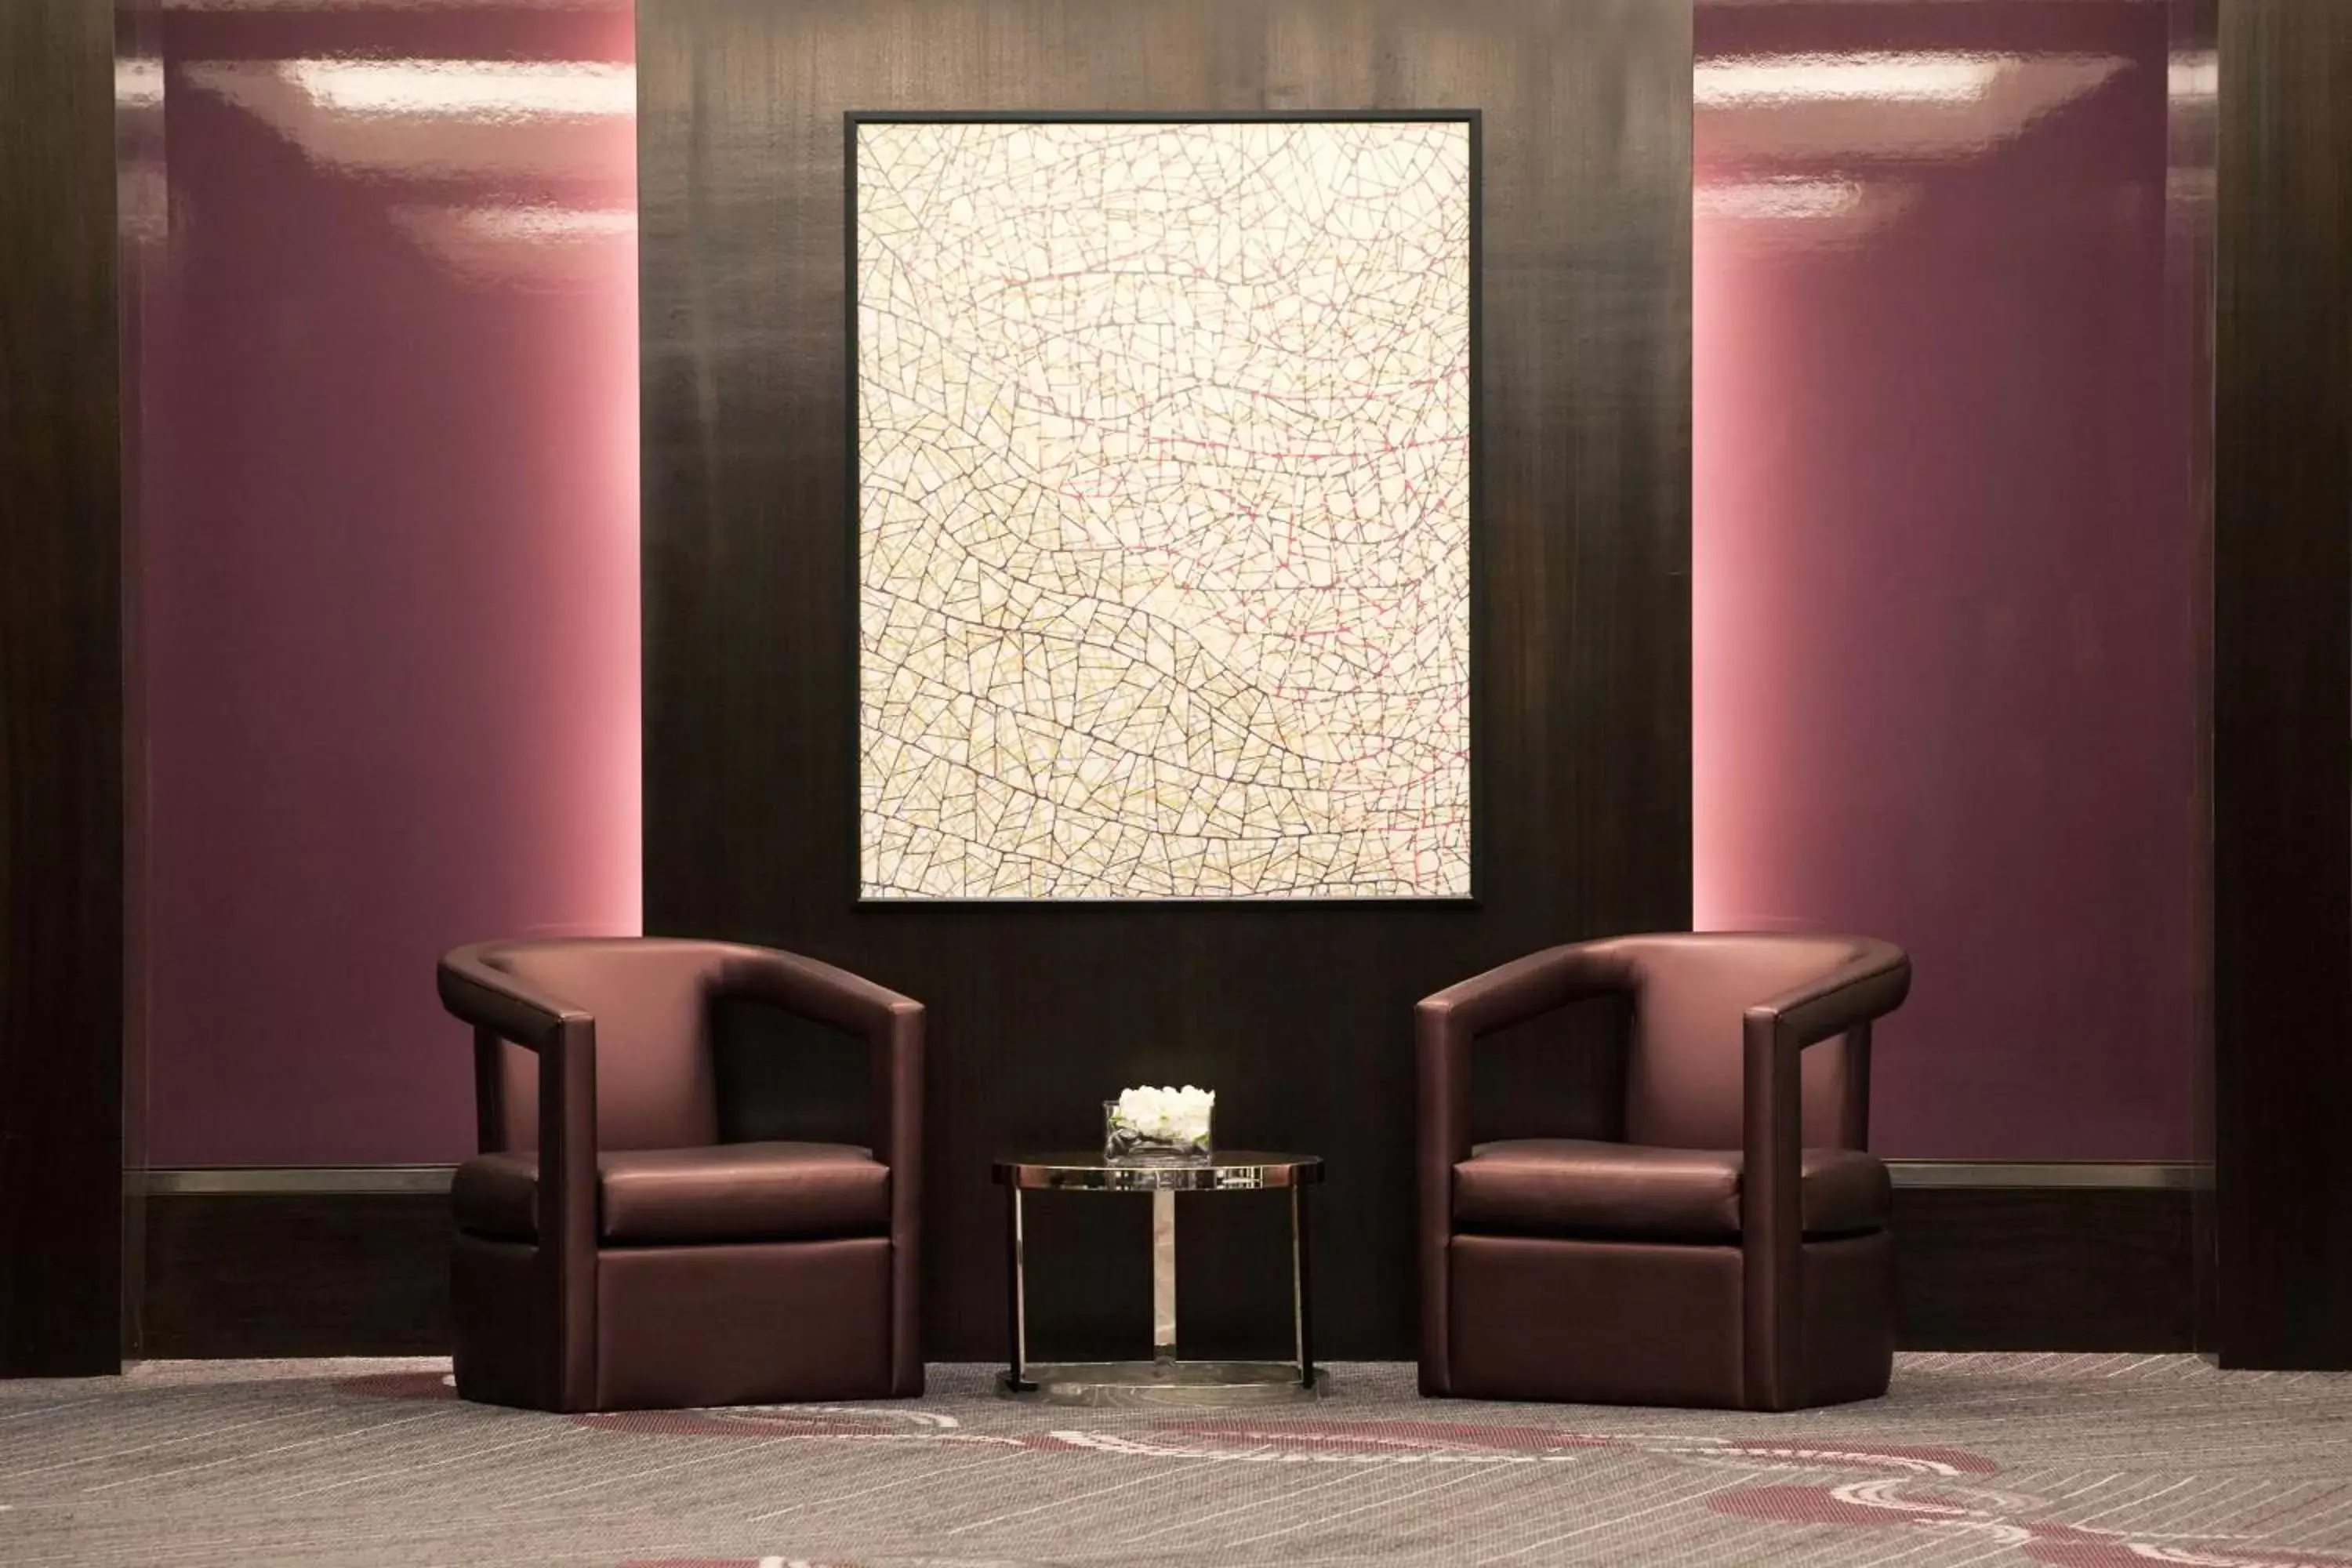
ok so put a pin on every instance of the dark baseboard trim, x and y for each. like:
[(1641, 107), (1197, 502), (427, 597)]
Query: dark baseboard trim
[(2047, 1256), (355, 1262), (2045, 1268), (296, 1274)]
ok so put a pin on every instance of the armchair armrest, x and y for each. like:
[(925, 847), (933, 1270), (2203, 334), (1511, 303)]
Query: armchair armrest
[(1514, 992), (489, 998), (814, 989), (1775, 1033), (1445, 1025), (502, 1007), (892, 1027), (1869, 986), (890, 1024)]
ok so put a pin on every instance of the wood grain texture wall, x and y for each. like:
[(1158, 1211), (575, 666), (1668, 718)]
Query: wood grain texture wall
[(1298, 1017), (60, 696), (2282, 1106)]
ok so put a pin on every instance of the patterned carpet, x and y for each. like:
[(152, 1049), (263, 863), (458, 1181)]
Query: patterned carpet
[(1988, 1460)]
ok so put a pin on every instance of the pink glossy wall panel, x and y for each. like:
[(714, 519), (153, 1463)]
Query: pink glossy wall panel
[(1944, 568), (388, 616)]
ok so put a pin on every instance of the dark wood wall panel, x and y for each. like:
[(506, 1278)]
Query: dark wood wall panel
[(287, 1274), (1300, 1017), (60, 695), (2044, 1268), (2282, 1108)]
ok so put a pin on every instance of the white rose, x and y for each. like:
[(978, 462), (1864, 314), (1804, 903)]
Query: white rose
[(1167, 1114), (1141, 1108)]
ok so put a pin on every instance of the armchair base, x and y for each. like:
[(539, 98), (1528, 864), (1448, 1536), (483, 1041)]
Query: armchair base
[(680, 1327), (499, 1327), (1609, 1322)]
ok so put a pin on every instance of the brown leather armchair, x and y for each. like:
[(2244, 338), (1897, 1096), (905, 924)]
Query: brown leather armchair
[(1733, 1251), (658, 1267)]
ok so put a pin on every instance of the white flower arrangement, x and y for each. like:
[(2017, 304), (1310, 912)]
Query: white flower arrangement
[(1164, 1123)]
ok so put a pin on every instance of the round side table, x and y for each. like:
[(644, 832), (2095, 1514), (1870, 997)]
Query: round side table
[(1164, 1379)]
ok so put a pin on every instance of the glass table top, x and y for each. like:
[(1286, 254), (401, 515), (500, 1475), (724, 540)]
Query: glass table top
[(1237, 1170)]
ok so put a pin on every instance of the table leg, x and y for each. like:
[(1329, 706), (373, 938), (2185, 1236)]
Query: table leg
[(1300, 1316), (1164, 1276), (1017, 1284)]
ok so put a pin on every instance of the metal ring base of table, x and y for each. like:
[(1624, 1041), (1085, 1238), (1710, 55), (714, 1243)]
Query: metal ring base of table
[(1196, 1385)]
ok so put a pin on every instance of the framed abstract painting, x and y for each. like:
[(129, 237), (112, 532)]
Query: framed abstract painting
[(1165, 473)]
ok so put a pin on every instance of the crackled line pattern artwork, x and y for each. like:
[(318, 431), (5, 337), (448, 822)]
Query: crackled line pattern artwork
[(1163, 460)]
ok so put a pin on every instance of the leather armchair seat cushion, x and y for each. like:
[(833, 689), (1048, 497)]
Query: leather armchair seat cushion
[(724, 1192), (1578, 1187)]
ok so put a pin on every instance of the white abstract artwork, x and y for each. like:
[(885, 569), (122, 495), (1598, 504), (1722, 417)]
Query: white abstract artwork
[(1163, 454)]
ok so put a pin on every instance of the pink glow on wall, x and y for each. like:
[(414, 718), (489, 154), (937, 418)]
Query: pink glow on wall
[(389, 612), (1944, 563)]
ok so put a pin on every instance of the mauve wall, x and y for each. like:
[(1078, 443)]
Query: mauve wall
[(388, 615), (1945, 571)]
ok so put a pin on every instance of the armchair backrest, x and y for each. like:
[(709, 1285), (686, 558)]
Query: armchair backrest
[(655, 1086), (1684, 1078)]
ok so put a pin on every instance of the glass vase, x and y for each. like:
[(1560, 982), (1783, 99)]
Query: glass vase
[(1128, 1144)]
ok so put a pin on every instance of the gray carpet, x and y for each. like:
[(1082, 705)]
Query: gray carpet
[(2070, 1461)]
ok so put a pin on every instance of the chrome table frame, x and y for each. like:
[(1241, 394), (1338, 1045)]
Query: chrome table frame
[(1165, 1379)]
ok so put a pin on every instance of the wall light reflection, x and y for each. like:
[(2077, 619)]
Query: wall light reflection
[(536, 246), (1884, 106), (1919, 78), (1807, 212), (442, 119), (542, 150), (2193, 75), (138, 83), (467, 90), (546, 222), (1788, 198)]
